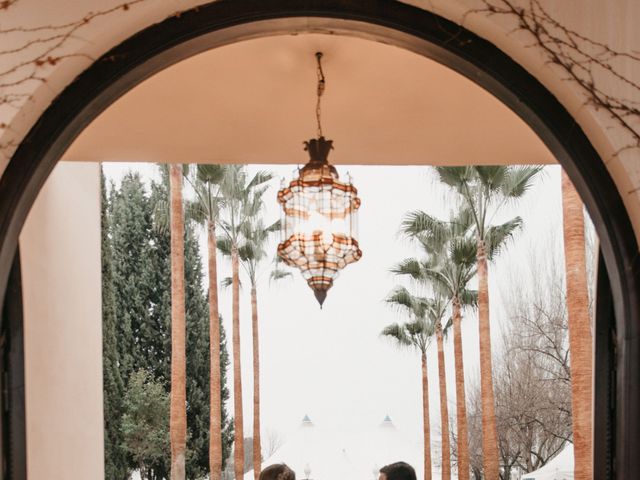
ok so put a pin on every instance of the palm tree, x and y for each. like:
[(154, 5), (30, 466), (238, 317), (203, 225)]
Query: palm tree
[(484, 190), (444, 407), (252, 253), (415, 334), (178, 410), (205, 209), (580, 335), (439, 305), (449, 266), (242, 201)]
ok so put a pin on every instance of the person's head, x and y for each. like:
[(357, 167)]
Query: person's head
[(278, 471), (397, 471)]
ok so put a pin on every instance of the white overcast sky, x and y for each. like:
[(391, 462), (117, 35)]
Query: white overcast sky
[(332, 364)]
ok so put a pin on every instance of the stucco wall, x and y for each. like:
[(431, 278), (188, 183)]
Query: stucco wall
[(60, 254)]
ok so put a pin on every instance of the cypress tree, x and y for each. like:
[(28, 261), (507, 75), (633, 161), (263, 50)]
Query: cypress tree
[(131, 227), (115, 461), (139, 272), (141, 290), (227, 421), (197, 360)]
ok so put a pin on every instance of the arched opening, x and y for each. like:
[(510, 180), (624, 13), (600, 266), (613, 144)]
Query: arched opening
[(221, 23)]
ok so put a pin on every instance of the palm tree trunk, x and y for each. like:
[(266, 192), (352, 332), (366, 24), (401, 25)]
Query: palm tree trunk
[(444, 409), (461, 402), (238, 423), (257, 448), (178, 413), (426, 428), (215, 394), (580, 335), (491, 462)]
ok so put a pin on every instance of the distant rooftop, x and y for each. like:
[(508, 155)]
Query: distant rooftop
[(387, 422)]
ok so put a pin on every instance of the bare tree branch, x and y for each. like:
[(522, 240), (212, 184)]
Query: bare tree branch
[(584, 61), (33, 50)]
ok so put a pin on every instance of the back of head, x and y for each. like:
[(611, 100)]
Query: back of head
[(278, 471), (399, 471)]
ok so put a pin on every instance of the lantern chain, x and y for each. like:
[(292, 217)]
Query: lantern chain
[(321, 85)]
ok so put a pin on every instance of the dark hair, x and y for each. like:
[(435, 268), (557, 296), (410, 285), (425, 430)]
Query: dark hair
[(399, 471), (278, 471)]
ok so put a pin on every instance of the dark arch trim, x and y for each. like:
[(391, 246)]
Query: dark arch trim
[(178, 37)]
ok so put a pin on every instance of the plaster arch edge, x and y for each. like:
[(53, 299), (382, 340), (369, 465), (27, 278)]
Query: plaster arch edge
[(488, 28)]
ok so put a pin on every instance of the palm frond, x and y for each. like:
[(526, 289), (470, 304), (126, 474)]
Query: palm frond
[(462, 252), (397, 333), (420, 223), (410, 267), (195, 212), (400, 297), (491, 176), (246, 229), (248, 252), (274, 227), (210, 173), (224, 244), (462, 222), (468, 298), (259, 178), (518, 180), (437, 278), (420, 328), (446, 328), (279, 274), (439, 304), (454, 177), (497, 236), (416, 307), (441, 280)]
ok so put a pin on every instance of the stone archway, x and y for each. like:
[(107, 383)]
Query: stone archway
[(220, 23)]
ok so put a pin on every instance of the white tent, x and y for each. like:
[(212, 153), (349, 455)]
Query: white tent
[(560, 468), (384, 444), (315, 453)]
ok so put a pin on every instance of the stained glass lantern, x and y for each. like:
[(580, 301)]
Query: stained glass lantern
[(320, 221)]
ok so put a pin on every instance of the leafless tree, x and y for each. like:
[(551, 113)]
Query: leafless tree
[(273, 440)]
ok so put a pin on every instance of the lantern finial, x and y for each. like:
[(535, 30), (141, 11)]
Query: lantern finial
[(320, 296)]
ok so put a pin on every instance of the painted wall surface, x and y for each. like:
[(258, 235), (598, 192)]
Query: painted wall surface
[(60, 254)]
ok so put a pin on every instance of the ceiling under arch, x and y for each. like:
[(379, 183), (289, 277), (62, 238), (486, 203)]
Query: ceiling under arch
[(254, 102)]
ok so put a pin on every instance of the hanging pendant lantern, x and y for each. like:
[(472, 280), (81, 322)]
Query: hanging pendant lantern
[(320, 215)]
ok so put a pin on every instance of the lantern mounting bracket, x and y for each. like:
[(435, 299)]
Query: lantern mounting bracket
[(318, 149)]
